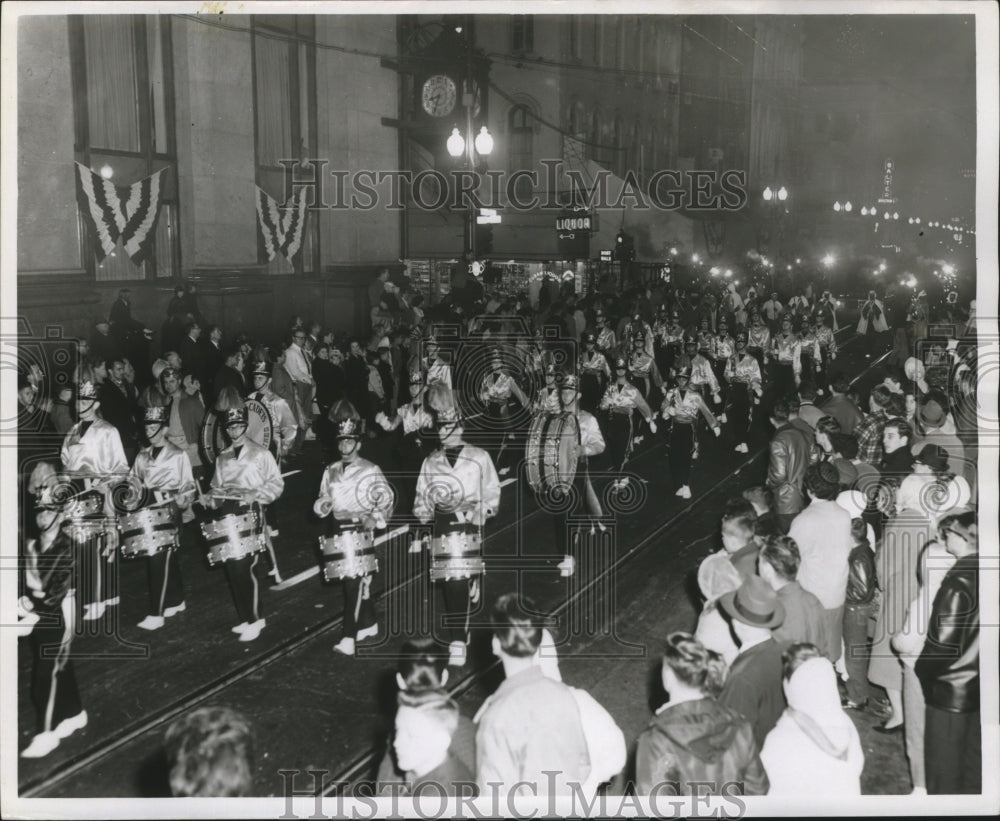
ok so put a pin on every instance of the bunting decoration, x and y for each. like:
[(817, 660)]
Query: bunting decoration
[(282, 227), (128, 214)]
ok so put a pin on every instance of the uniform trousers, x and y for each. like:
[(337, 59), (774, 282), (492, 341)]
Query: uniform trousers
[(166, 588), (457, 594), (54, 692), (953, 752), (243, 576), (784, 379), (682, 440), (619, 438), (739, 411), (359, 606), (98, 572)]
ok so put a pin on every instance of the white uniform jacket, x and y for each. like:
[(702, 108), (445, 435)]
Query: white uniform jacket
[(471, 485), (357, 489), (253, 470)]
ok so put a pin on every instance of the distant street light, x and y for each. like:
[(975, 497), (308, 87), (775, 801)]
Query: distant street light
[(829, 259), (836, 206)]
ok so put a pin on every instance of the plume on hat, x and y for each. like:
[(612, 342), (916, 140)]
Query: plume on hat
[(229, 399), (440, 398), (342, 411)]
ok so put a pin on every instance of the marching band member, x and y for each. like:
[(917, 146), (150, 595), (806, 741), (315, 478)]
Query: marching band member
[(642, 369), (759, 340), (682, 406), (412, 421), (606, 340), (49, 616), (810, 348), (92, 452), (356, 493), (282, 417), (786, 350), (620, 399), (704, 338), (723, 348), (637, 326), (703, 374), (591, 444), (743, 375), (673, 342), (246, 472), (495, 393), (826, 341), (438, 371), (547, 400), (593, 366), (165, 473), (458, 490)]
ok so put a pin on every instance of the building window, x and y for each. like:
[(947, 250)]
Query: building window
[(522, 33), (284, 83), (122, 76), (521, 152)]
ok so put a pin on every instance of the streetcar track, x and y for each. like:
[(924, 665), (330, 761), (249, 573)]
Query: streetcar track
[(117, 740)]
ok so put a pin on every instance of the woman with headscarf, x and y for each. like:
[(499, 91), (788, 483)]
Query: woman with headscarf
[(814, 749)]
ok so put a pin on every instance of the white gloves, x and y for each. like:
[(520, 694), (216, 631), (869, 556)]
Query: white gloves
[(652, 424), (717, 430), (322, 507)]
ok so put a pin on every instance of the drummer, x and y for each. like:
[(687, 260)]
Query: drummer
[(458, 490), (356, 493), (165, 473), (591, 444), (285, 427), (743, 377), (49, 616), (620, 400), (247, 473), (92, 453)]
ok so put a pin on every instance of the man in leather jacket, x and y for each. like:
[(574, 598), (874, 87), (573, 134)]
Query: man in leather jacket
[(789, 458), (859, 607), (948, 668)]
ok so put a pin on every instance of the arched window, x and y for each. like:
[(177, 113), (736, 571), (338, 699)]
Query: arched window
[(521, 151)]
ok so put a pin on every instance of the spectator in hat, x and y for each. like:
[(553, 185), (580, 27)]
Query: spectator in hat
[(805, 620), (814, 749), (753, 686), (210, 752), (948, 668), (694, 743), (929, 479), (822, 532), (103, 346)]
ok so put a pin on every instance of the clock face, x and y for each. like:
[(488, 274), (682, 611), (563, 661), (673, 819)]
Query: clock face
[(439, 94)]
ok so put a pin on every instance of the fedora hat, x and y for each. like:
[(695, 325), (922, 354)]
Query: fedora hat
[(754, 603)]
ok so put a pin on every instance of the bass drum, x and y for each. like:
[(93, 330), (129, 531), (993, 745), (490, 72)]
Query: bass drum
[(260, 429), (552, 450)]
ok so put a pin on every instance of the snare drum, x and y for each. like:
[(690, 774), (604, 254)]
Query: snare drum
[(85, 519), (234, 536), (457, 555), (349, 554), (148, 531)]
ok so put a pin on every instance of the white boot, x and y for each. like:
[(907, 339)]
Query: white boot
[(253, 630), (367, 633), (457, 654), (151, 623), (345, 646), (41, 745), (70, 725), (567, 567), (173, 611)]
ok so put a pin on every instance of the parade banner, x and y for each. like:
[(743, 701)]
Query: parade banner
[(125, 213), (282, 227)]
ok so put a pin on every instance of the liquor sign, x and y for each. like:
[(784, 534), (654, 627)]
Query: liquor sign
[(572, 224), (488, 216)]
